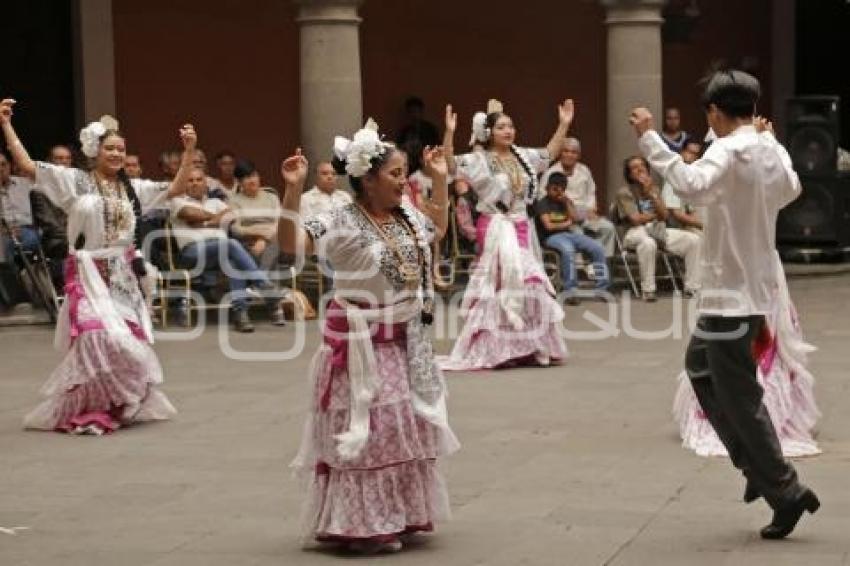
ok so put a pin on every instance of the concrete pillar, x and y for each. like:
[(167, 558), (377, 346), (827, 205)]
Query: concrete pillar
[(634, 75), (331, 92), (94, 60)]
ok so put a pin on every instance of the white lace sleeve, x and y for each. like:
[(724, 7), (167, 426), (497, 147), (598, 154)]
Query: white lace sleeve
[(473, 168), (62, 185), (333, 233), (538, 158), (152, 194)]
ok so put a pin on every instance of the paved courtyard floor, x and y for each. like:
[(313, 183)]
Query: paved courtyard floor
[(574, 465)]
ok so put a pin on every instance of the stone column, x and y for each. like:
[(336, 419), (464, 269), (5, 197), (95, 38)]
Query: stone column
[(634, 76), (94, 59), (331, 93)]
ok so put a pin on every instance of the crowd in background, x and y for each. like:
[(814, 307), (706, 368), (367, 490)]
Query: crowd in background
[(229, 212)]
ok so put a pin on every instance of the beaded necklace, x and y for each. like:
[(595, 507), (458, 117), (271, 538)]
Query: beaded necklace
[(112, 195), (410, 273), (512, 169)]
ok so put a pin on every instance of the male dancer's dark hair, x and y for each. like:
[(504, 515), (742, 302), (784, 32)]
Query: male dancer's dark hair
[(733, 92)]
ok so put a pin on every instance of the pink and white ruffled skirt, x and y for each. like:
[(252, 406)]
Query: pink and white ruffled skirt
[(104, 380)]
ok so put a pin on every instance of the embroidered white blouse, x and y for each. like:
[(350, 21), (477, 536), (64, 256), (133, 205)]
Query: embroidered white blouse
[(492, 186), (76, 193), (362, 262)]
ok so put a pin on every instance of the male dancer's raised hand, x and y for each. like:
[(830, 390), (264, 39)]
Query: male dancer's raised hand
[(641, 120)]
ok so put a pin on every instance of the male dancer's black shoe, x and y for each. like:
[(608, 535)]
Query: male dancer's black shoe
[(786, 518), (751, 493)]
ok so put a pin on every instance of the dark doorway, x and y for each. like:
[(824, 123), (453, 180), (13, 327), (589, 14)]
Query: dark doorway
[(37, 71), (823, 43)]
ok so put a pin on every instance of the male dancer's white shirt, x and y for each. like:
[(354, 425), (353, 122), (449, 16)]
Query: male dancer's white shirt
[(743, 180)]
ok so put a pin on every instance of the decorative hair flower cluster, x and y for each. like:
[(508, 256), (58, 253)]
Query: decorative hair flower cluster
[(359, 152), (90, 138), (480, 131)]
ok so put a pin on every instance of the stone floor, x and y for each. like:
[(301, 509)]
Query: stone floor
[(575, 465)]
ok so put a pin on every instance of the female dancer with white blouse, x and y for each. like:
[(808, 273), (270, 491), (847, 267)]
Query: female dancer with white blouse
[(110, 374), (511, 315), (378, 421)]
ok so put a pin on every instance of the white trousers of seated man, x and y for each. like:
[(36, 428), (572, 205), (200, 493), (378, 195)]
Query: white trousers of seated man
[(683, 243)]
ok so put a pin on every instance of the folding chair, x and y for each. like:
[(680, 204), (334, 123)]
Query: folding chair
[(552, 267), (310, 277), (628, 258), (34, 273), (461, 262), (176, 280)]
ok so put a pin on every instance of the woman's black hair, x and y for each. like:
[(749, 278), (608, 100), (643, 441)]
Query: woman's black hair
[(733, 92), (375, 164), (427, 315), (490, 123), (244, 168), (627, 174)]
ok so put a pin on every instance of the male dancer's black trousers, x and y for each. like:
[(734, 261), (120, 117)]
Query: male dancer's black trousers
[(720, 364)]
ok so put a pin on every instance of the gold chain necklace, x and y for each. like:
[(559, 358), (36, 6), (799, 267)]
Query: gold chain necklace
[(512, 170), (410, 272)]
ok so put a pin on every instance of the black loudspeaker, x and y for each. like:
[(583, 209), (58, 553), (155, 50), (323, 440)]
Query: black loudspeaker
[(813, 133), (821, 214)]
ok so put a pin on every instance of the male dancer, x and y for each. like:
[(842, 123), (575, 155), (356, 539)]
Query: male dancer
[(744, 179)]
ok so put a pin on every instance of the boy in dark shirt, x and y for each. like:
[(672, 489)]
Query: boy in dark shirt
[(557, 218)]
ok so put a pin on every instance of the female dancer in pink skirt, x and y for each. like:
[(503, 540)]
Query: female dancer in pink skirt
[(377, 421), (511, 316), (110, 373)]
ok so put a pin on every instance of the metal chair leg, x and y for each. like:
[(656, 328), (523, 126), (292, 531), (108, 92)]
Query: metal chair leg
[(625, 259), (670, 273)]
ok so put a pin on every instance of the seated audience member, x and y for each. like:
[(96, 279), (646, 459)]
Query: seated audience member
[(61, 155), (169, 163), (255, 211), (683, 215), (16, 223), (225, 162), (672, 133), (216, 190), (581, 189), (198, 228), (133, 166), (325, 195), (465, 217), (641, 214), (51, 221), (558, 224)]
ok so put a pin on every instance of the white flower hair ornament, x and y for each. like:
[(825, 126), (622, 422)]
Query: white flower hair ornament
[(359, 152), (90, 138), (91, 134), (480, 131)]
